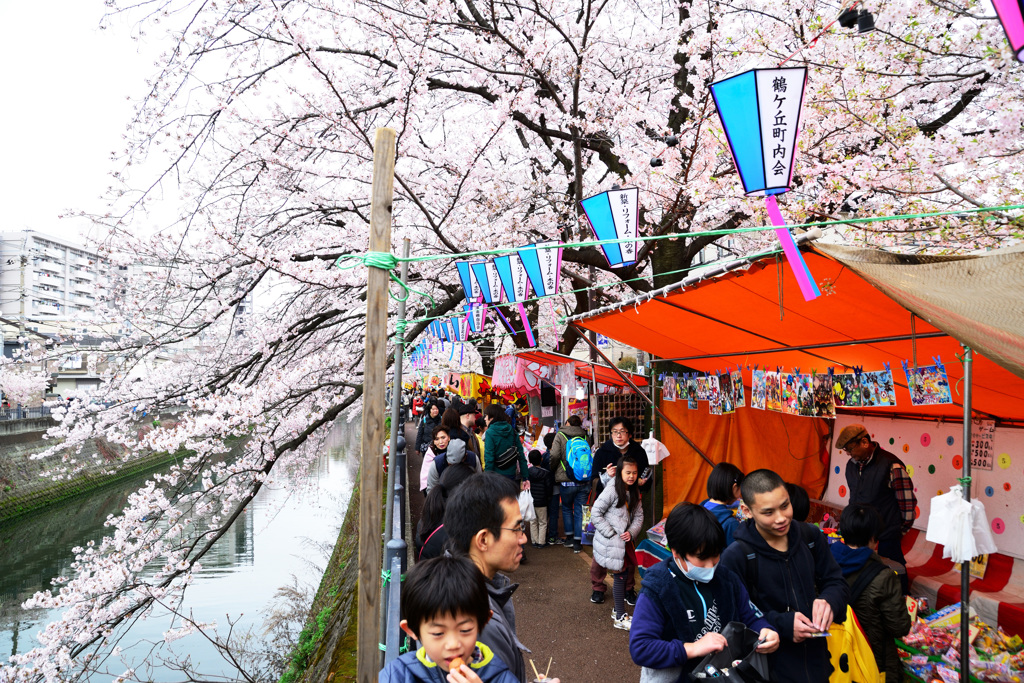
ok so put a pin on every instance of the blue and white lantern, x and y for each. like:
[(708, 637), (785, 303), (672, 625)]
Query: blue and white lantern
[(613, 215), (476, 313), (486, 274), (470, 285), (543, 263), (760, 112)]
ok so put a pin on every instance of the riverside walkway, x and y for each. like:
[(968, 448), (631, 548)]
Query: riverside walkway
[(554, 615)]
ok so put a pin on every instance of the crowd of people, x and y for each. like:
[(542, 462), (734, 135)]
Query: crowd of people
[(744, 554)]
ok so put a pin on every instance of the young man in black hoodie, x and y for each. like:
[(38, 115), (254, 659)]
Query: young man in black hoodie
[(791, 576)]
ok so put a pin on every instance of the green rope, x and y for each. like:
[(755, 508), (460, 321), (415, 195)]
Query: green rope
[(709, 233), (384, 260), (965, 481)]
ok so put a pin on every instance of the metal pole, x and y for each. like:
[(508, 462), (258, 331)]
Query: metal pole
[(396, 395), (375, 366), (394, 475), (965, 567), (670, 423)]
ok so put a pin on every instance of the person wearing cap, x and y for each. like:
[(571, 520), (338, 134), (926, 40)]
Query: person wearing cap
[(879, 479)]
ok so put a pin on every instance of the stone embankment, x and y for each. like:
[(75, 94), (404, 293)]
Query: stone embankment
[(26, 486)]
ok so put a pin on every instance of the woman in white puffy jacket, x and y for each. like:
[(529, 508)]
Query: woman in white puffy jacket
[(618, 517)]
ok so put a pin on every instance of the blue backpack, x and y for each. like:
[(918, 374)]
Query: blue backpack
[(579, 458)]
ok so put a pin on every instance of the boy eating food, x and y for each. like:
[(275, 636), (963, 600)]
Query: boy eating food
[(444, 607)]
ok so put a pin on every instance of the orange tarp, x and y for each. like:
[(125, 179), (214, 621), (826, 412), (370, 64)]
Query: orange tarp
[(730, 317), (795, 447), (748, 317)]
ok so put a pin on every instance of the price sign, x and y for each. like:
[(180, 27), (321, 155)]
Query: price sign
[(982, 435)]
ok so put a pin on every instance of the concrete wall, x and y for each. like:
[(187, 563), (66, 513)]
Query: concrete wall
[(25, 486)]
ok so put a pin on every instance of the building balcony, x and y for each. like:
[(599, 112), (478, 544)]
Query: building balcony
[(54, 253), (84, 287), (47, 309), (50, 266), (83, 274)]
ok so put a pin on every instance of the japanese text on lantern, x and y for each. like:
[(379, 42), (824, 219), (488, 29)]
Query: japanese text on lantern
[(779, 131), (624, 201)]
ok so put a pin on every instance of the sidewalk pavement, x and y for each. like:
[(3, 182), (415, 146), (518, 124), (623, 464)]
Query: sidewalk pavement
[(554, 615)]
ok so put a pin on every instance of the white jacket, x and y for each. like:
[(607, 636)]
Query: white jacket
[(609, 522)]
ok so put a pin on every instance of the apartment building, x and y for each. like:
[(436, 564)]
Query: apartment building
[(47, 279)]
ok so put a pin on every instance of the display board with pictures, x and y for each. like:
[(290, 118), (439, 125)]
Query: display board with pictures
[(606, 406)]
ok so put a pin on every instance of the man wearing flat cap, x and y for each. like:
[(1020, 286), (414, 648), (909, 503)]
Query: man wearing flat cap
[(878, 478)]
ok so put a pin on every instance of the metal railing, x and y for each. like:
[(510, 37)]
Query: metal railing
[(20, 413), (395, 550), (395, 560)]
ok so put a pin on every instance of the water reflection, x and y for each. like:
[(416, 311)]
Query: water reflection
[(280, 534)]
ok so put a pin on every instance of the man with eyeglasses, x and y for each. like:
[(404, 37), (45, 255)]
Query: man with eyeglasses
[(483, 521), (879, 479)]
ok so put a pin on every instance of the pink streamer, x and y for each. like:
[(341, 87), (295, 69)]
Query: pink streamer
[(793, 256), (526, 326)]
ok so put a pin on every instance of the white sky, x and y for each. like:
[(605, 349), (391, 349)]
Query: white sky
[(64, 89)]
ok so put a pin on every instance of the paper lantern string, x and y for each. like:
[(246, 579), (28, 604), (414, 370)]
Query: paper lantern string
[(793, 256)]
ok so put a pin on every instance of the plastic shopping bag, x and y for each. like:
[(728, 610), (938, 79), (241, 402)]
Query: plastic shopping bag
[(526, 506)]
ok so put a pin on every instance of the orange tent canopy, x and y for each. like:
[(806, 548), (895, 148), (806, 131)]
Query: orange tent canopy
[(604, 374), (758, 316)]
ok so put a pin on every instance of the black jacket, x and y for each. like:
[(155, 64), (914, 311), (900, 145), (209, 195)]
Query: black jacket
[(670, 613), (542, 484), (787, 583), (609, 454), (425, 433)]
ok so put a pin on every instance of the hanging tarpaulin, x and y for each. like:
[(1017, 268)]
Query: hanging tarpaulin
[(477, 315), (516, 284), (486, 274), (470, 285), (760, 113), (613, 215)]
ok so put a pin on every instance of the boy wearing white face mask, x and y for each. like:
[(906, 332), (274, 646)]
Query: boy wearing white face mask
[(688, 599)]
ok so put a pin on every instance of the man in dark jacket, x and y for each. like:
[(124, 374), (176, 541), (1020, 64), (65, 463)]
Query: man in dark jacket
[(791, 576), (879, 479), (688, 599), (498, 439), (483, 521), (621, 443), (876, 596), (573, 491)]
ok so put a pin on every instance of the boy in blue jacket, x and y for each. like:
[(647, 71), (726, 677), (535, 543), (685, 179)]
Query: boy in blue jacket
[(791, 575), (444, 606), (688, 599)]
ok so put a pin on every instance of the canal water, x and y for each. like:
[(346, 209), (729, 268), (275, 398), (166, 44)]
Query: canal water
[(285, 536)]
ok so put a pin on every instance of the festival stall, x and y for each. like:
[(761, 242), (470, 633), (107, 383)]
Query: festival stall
[(881, 346)]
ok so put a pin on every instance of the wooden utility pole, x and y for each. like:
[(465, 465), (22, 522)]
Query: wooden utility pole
[(375, 366)]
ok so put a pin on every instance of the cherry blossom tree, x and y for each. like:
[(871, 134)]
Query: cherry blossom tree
[(260, 122)]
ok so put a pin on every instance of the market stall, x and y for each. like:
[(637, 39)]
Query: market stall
[(884, 343)]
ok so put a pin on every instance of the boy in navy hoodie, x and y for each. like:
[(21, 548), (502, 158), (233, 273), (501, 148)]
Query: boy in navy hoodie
[(687, 599), (791, 575), (444, 606)]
